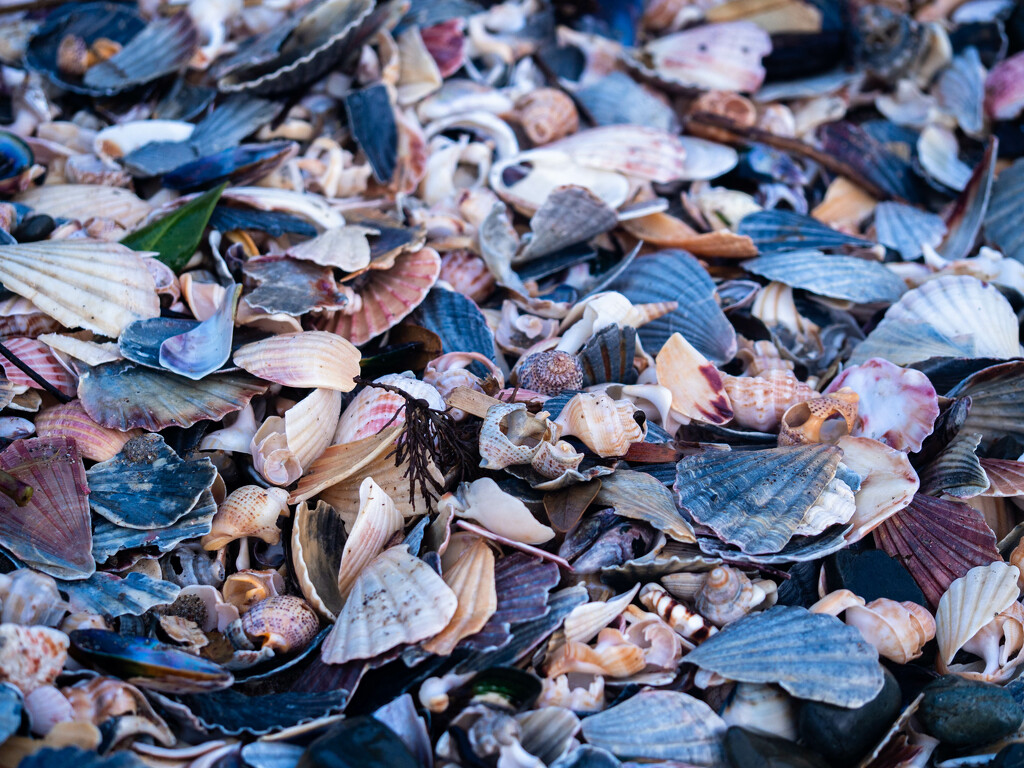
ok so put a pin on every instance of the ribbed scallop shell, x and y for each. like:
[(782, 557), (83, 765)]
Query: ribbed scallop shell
[(472, 581), (373, 409), (388, 296), (396, 599), (546, 115), (376, 522), (640, 496), (758, 402), (468, 274), (103, 287), (30, 598), (725, 595), (307, 359), (284, 447), (37, 356), (85, 201), (698, 388), (971, 602), (635, 151), (997, 408), (607, 427), (283, 623), (836, 505), (887, 483), (1006, 478), (248, 511)]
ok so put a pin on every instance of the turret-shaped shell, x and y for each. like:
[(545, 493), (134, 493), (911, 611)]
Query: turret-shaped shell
[(248, 511), (30, 598), (284, 623), (899, 631), (550, 373), (608, 308), (689, 625), (820, 419), (726, 595), (607, 427), (758, 402), (372, 409)]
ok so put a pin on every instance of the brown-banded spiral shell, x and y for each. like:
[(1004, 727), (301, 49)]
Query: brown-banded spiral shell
[(550, 373), (759, 402), (285, 624)]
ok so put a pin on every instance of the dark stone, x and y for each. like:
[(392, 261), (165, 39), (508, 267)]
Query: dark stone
[(964, 713), (361, 742), (746, 749), (34, 228), (801, 588), (872, 574), (1009, 757), (844, 735)]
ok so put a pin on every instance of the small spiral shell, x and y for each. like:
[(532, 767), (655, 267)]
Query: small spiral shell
[(692, 626), (284, 623), (550, 373), (547, 115), (725, 595)]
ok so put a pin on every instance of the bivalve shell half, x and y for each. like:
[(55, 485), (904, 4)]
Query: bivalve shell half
[(376, 522), (888, 483), (723, 57), (697, 387), (307, 359), (971, 602), (31, 657), (471, 578)]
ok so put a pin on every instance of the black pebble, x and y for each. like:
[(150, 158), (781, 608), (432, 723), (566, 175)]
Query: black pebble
[(359, 741), (964, 713), (34, 228), (746, 749), (872, 574)]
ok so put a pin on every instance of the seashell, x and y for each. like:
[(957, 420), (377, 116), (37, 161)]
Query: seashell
[(698, 389), (608, 356), (1003, 97), (907, 229), (607, 427), (781, 230), (248, 511), (147, 468), (603, 309), (612, 656), (617, 98), (37, 356), (639, 496), (45, 707), (327, 361), (111, 595), (70, 280), (89, 352), (504, 434), (555, 692), (659, 725), (888, 482), (388, 295), (346, 248), (998, 644), (317, 538), (457, 321), (467, 273), (726, 595), (723, 57), (687, 624), (242, 164), (446, 44), (839, 277), (31, 657), (472, 580), (200, 351), (759, 707), (835, 506), (283, 447), (499, 512), (284, 623), (81, 202), (101, 700), (30, 598), (243, 589), (635, 151), (938, 541), (375, 524), (820, 419), (374, 409), (1006, 478), (396, 599), (964, 219), (203, 605), (1001, 217), (585, 621), (51, 531), (546, 115), (124, 396), (937, 150), (569, 215), (994, 411), (898, 630), (759, 402), (539, 172), (956, 471), (726, 491), (971, 602)]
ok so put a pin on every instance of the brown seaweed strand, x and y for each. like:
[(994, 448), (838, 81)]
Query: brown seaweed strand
[(33, 375)]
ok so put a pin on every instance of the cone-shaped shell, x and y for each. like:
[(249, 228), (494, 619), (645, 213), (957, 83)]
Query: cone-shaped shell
[(887, 483), (811, 656), (396, 599), (755, 499), (52, 531), (938, 541), (726, 595), (697, 387), (659, 725), (759, 402), (971, 602), (307, 359), (103, 287), (376, 522), (472, 581), (607, 427)]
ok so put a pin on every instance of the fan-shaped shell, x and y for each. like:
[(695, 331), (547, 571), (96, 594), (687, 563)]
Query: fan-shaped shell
[(84, 201), (1006, 478), (607, 427), (374, 409), (997, 409), (376, 522), (697, 387), (906, 229), (781, 230), (396, 599), (640, 496), (887, 483), (307, 359), (1002, 219), (725, 56), (471, 578), (838, 277), (103, 287), (759, 402), (283, 447), (37, 356), (971, 602)]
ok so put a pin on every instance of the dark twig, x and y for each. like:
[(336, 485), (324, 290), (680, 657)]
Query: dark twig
[(33, 375)]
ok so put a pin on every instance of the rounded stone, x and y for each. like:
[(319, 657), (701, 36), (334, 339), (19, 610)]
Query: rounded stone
[(965, 713), (872, 574), (358, 741), (747, 749)]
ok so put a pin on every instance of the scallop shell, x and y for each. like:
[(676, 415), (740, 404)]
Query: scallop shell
[(84, 201), (458, 322), (759, 402), (897, 406), (659, 725), (31, 657), (318, 535), (724, 57), (956, 471), (608, 356), (781, 230), (162, 47), (376, 522), (755, 499), (31, 599), (996, 406), (607, 427), (248, 511), (907, 229), (803, 652), (697, 387), (951, 316), (938, 541), (1003, 97), (396, 599), (1002, 219), (971, 602), (888, 483), (388, 296), (282, 448), (308, 359), (839, 277), (497, 511), (639, 496), (820, 419), (103, 287), (374, 409), (726, 595), (1006, 478), (37, 356), (471, 578), (283, 623), (51, 532), (467, 273)]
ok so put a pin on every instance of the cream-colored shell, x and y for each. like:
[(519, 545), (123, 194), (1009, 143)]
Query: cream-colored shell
[(726, 595), (306, 360), (31, 656), (758, 402), (604, 309), (284, 623), (499, 512), (243, 589), (971, 602), (613, 655), (248, 511), (283, 448), (510, 436), (376, 522), (606, 426), (999, 645), (835, 505), (585, 621), (30, 598), (373, 409), (899, 631), (697, 387), (99, 699), (887, 483), (472, 580)]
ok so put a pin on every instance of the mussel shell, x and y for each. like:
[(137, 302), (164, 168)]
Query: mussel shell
[(11, 706), (107, 594), (15, 158), (239, 165), (372, 120), (233, 713), (147, 663)]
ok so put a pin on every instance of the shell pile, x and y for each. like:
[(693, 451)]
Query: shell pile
[(539, 384)]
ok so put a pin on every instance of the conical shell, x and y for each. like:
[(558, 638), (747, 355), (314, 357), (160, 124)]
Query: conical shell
[(37, 356), (811, 656), (726, 595), (103, 287), (373, 409), (938, 541), (640, 496), (659, 725), (755, 499), (306, 430), (308, 359), (396, 599), (248, 511), (971, 602), (607, 427), (887, 483), (952, 316), (388, 296), (472, 581), (52, 531), (758, 402), (697, 387), (376, 522)]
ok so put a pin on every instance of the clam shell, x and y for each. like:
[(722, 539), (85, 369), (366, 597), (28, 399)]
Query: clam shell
[(37, 356), (1002, 219), (811, 656), (906, 229), (995, 402), (1006, 478), (500, 512), (970, 602), (396, 599), (951, 316), (698, 389), (677, 276), (51, 531), (31, 657), (307, 360), (763, 708), (84, 201), (94, 442), (725, 57), (838, 277), (471, 578), (639, 496), (956, 471), (374, 409), (202, 350), (317, 538), (759, 402), (617, 98), (147, 469), (162, 47), (108, 594), (781, 230), (123, 396), (376, 522), (964, 218), (283, 447), (659, 725), (938, 541), (103, 287), (390, 295)]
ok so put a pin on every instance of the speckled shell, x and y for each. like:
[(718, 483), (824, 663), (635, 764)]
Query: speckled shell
[(30, 598), (248, 511), (820, 419), (550, 373), (284, 623), (31, 656), (726, 595), (471, 578), (377, 521), (372, 409), (307, 359), (758, 402), (546, 115), (971, 602), (468, 274), (606, 426)]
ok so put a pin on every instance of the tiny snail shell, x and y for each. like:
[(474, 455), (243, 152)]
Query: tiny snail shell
[(284, 623), (726, 595)]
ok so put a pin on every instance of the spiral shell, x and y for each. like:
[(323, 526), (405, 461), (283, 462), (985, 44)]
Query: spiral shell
[(284, 623), (613, 655), (689, 625), (550, 373), (820, 419), (248, 511), (547, 114), (468, 274), (607, 427), (738, 109), (244, 589), (898, 630), (726, 595), (758, 402)]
